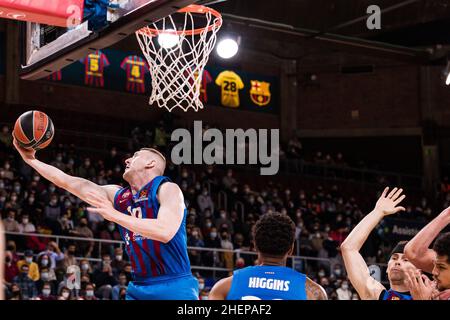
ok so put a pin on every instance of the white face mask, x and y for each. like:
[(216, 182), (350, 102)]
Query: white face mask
[(44, 262), (25, 220), (44, 276), (119, 258), (46, 292), (89, 293), (201, 286), (85, 267), (29, 260)]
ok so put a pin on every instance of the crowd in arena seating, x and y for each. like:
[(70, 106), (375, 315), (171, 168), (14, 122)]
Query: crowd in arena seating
[(36, 266)]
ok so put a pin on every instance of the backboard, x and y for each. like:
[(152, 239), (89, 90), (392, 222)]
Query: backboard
[(47, 49)]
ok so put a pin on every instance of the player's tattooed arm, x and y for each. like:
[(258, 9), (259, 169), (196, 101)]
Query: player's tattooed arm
[(314, 291)]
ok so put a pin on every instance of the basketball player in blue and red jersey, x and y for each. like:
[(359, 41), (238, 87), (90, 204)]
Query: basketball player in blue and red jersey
[(398, 267), (274, 235), (151, 214)]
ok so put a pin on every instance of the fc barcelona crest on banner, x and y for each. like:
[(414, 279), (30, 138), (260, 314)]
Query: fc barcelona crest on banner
[(260, 93)]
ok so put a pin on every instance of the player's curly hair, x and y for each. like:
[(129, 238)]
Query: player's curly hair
[(442, 246), (274, 234)]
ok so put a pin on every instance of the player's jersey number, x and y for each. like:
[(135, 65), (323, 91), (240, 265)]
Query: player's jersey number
[(94, 65), (136, 72), (135, 212)]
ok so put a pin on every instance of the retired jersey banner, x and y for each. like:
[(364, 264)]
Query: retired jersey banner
[(129, 72)]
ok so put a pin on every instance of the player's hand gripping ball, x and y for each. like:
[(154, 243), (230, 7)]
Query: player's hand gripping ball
[(34, 130)]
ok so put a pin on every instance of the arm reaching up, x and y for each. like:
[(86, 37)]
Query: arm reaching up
[(358, 272), (77, 186), (417, 250)]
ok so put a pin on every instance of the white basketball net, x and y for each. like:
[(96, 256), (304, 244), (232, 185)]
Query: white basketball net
[(177, 59)]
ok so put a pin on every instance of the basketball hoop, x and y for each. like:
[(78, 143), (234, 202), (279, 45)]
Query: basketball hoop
[(177, 57)]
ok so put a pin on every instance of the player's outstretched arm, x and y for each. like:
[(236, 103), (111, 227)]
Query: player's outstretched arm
[(220, 290), (315, 291), (417, 250), (357, 270), (163, 228), (78, 186)]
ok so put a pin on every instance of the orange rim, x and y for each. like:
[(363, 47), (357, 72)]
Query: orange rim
[(193, 8)]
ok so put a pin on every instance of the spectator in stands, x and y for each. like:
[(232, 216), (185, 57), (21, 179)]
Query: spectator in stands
[(54, 253), (223, 221), (205, 201), (118, 262), (10, 224), (32, 267), (47, 292), (294, 148), (85, 267), (109, 231), (82, 230), (45, 278), (86, 170), (89, 292), (123, 283), (69, 256), (195, 239), (26, 284), (44, 261), (103, 278), (228, 181), (8, 173), (5, 138), (344, 292), (11, 270), (16, 292), (26, 226), (225, 243), (64, 294)]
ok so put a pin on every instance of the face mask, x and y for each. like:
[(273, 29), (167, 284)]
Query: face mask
[(223, 215), (25, 221), (51, 189), (201, 286), (119, 258), (29, 260), (345, 286), (2, 199), (321, 274), (46, 292), (87, 163), (71, 162), (111, 227), (52, 202), (84, 267), (30, 200), (337, 272), (59, 159), (44, 262), (67, 204), (208, 224), (204, 297), (36, 178), (2, 185), (205, 193), (213, 234), (7, 166), (44, 276), (195, 234), (65, 294), (89, 293), (17, 189)]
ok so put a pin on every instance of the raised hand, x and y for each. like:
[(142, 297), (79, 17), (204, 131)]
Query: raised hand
[(102, 206), (387, 203), (420, 287), (26, 154)]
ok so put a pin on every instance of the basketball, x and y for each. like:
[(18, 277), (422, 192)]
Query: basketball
[(34, 130)]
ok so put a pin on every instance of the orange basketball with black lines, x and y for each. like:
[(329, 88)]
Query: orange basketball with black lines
[(34, 130)]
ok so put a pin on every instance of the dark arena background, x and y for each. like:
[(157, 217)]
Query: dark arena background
[(358, 106)]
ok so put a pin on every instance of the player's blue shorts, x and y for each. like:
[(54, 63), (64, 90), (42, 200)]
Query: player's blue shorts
[(181, 287)]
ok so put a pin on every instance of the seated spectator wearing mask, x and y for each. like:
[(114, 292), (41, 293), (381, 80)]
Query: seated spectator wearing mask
[(54, 253), (89, 292), (123, 284), (32, 266), (118, 263), (103, 278), (45, 279), (11, 270), (10, 224), (46, 293), (25, 283)]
